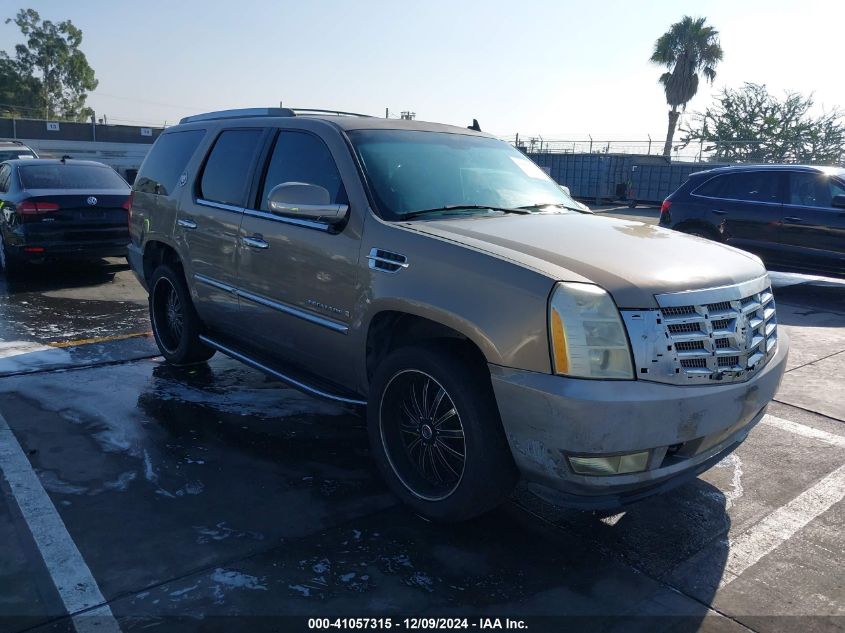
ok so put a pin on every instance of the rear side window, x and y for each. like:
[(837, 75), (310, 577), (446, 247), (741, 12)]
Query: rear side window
[(166, 161), (68, 176), (813, 190), (226, 175), (302, 157), (752, 186)]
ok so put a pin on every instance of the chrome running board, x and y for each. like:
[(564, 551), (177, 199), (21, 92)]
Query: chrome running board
[(293, 382)]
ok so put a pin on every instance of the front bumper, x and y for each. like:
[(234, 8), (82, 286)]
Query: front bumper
[(685, 429)]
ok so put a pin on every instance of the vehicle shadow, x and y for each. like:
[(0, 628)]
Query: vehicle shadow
[(653, 564), (825, 295), (47, 276)]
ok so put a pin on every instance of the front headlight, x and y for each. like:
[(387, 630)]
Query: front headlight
[(587, 335)]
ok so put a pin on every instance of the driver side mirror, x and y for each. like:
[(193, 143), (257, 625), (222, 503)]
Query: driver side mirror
[(307, 202), (838, 201)]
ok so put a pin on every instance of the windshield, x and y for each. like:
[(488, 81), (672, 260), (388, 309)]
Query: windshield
[(410, 172), (59, 176)]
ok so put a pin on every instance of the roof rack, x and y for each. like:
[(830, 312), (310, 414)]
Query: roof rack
[(316, 111), (240, 113)]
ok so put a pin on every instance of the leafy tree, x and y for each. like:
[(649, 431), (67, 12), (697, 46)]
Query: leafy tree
[(688, 48), (751, 125), (49, 74)]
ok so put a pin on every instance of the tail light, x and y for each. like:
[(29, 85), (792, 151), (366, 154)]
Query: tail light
[(128, 206), (664, 208), (28, 207)]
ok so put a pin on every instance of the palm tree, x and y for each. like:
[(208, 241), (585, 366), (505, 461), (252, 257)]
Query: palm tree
[(686, 49)]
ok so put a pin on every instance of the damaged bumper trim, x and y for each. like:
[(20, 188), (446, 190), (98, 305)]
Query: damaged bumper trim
[(549, 418)]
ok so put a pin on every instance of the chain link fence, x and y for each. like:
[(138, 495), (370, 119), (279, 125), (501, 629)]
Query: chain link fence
[(652, 146)]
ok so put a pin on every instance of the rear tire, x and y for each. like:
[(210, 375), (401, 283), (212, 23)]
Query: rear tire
[(176, 326), (700, 231), (436, 433)]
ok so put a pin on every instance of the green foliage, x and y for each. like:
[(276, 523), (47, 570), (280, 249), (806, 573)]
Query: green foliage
[(689, 48), (49, 74), (752, 125)]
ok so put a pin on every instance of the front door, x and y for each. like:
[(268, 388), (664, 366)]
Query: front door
[(298, 279), (813, 231), (209, 219)]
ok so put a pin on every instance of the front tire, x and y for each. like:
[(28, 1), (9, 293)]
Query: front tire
[(176, 326), (436, 433)]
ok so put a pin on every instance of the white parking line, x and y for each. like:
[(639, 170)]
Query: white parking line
[(68, 570), (803, 429), (782, 524)]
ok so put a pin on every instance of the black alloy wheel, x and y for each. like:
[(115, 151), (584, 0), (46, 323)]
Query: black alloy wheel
[(427, 448)]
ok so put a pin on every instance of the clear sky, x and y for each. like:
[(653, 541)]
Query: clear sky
[(561, 69)]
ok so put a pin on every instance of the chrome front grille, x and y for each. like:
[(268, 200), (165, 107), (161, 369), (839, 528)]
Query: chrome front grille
[(703, 336)]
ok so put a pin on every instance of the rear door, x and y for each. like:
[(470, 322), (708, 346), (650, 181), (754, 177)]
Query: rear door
[(208, 221), (813, 231), (298, 278), (746, 206)]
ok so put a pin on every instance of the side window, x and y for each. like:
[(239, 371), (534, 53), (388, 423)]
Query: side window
[(5, 173), (302, 157), (752, 186), (712, 188), (166, 161), (226, 175), (813, 189)]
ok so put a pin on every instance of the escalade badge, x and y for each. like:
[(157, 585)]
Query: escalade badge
[(91, 200)]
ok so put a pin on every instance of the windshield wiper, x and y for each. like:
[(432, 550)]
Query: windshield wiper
[(457, 207)]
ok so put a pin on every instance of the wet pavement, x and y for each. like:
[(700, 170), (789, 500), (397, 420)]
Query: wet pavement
[(214, 498)]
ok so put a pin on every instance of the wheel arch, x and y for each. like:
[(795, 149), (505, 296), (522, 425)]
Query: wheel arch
[(400, 326), (687, 225), (157, 252)]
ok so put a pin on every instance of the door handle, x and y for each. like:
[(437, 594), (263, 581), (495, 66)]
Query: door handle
[(255, 241), (719, 212), (186, 224), (793, 219)]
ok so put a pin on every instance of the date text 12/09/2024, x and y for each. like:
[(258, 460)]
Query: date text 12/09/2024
[(416, 623)]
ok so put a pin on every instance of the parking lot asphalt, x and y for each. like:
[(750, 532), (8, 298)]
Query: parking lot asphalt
[(140, 496)]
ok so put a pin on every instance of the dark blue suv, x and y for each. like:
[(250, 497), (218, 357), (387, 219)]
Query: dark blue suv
[(792, 216)]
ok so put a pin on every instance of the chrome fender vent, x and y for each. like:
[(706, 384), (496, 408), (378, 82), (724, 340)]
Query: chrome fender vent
[(386, 261)]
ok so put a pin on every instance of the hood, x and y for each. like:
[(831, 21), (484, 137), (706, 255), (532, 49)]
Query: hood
[(633, 261)]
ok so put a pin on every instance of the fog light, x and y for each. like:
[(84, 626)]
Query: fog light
[(613, 465)]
